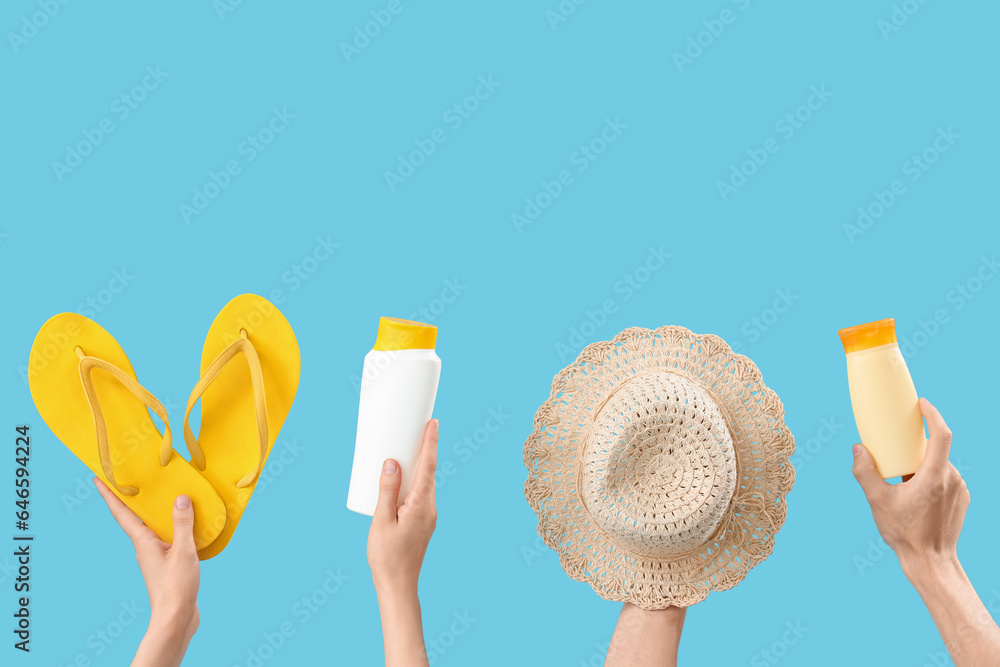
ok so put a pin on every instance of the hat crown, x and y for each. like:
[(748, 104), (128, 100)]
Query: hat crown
[(659, 467)]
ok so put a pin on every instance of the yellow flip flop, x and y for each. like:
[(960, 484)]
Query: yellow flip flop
[(87, 392), (243, 405)]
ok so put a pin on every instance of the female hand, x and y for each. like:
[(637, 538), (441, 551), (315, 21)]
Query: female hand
[(398, 538), (172, 574), (397, 542)]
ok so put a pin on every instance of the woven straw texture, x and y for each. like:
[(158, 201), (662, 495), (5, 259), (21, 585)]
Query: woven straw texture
[(659, 467)]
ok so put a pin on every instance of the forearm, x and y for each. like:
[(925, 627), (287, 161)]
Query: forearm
[(402, 627), (646, 638), (166, 641), (969, 633)]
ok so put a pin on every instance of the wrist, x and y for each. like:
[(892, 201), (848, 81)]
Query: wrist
[(395, 589), (664, 617), (932, 570), (667, 623), (399, 607), (175, 620)]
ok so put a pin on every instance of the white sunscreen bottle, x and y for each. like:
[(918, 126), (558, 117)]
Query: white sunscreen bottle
[(398, 387)]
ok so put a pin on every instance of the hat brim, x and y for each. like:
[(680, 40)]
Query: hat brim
[(761, 439)]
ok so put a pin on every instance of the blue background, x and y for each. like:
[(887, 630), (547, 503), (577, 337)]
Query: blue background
[(524, 294)]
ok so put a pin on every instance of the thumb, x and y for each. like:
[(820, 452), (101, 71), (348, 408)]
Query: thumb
[(183, 523), (866, 473), (388, 491)]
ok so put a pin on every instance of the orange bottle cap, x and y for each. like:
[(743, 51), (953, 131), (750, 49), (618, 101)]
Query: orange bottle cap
[(397, 334), (866, 336)]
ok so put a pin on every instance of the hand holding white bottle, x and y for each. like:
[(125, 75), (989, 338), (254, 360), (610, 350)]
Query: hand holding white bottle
[(398, 387)]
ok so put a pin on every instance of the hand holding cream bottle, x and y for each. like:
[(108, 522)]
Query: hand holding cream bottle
[(885, 402), (398, 387)]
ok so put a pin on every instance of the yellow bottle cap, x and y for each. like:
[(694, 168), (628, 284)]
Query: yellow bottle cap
[(865, 336), (397, 334)]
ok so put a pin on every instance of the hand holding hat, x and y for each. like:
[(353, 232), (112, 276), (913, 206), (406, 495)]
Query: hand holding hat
[(659, 467)]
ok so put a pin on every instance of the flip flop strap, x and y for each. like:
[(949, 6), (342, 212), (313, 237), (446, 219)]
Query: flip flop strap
[(87, 366), (244, 346)]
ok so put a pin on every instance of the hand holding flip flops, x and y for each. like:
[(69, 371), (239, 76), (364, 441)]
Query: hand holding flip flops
[(89, 395)]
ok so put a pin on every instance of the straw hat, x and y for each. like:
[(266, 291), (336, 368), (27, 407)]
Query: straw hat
[(659, 467)]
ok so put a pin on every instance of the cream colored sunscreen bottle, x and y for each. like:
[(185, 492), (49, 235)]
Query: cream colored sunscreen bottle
[(398, 387), (885, 402)]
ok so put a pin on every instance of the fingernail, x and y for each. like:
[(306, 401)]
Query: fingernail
[(434, 425), (389, 467), (182, 502), (857, 450)]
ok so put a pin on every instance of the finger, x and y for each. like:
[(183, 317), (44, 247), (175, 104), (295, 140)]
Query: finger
[(939, 442), (183, 524), (126, 518), (388, 491), (423, 479), (966, 498), (867, 474)]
